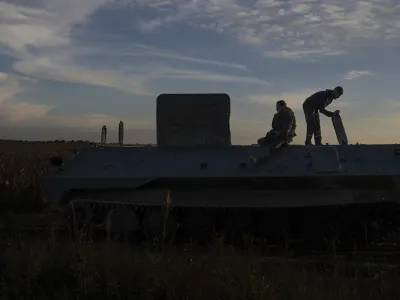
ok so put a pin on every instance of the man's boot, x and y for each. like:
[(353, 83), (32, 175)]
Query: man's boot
[(318, 140), (308, 140)]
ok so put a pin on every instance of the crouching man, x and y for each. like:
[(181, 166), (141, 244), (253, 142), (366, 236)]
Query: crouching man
[(283, 127)]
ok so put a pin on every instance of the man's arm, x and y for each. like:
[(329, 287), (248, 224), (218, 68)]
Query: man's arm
[(326, 112), (329, 113), (287, 125), (328, 97)]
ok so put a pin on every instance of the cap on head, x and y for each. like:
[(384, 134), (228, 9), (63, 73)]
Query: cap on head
[(281, 103), (339, 90)]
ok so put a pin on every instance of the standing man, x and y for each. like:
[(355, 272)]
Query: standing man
[(313, 105)]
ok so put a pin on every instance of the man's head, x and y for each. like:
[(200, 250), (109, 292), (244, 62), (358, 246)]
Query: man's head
[(337, 92), (280, 105)]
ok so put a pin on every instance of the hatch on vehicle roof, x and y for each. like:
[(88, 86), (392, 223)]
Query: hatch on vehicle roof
[(193, 119)]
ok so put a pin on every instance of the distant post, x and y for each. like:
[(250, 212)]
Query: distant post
[(104, 135), (121, 134)]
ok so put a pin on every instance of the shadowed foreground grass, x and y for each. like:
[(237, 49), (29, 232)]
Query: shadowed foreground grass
[(70, 270)]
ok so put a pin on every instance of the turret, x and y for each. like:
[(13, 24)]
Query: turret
[(193, 120)]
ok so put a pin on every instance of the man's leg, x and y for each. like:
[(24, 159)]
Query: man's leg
[(261, 141), (310, 120), (271, 141), (317, 129), (268, 139)]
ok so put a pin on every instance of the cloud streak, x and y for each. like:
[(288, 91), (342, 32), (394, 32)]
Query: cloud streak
[(296, 54), (188, 74), (52, 69), (135, 49), (356, 74)]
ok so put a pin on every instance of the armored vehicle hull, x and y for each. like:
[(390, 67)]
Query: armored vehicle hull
[(207, 185), (191, 190)]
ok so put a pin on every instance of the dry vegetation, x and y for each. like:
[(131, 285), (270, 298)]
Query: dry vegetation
[(52, 267), (22, 165)]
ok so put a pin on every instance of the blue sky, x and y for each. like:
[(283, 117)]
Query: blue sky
[(69, 66)]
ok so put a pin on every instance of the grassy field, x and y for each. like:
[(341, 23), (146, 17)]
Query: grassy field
[(56, 267), (22, 165)]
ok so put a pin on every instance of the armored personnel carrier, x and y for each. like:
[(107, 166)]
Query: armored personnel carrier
[(195, 182)]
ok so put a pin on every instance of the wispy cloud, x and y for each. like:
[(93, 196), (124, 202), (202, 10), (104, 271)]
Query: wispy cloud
[(188, 74), (13, 110), (53, 69), (44, 23), (45, 27), (137, 49), (146, 50), (296, 54), (356, 74), (309, 28)]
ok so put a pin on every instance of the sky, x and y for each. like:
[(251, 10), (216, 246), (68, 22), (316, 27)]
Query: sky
[(67, 67)]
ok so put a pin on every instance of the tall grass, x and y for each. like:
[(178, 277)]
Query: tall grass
[(22, 165), (50, 269)]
